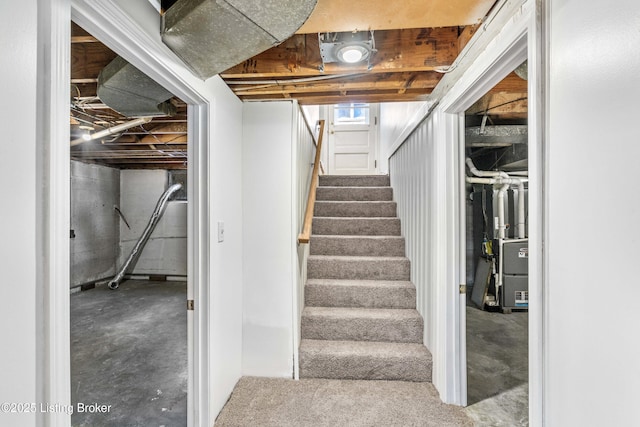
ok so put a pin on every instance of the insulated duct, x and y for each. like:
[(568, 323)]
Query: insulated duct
[(142, 241), (213, 35), (112, 130), (496, 136), (130, 92)]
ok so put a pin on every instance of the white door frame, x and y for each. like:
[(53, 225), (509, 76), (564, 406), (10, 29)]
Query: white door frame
[(520, 39), (107, 21), (327, 113)]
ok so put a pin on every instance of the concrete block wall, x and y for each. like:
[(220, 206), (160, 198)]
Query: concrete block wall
[(95, 190), (166, 251)]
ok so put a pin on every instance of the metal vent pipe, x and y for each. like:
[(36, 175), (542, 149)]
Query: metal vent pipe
[(142, 241)]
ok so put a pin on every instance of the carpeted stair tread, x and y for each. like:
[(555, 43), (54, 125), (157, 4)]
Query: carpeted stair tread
[(357, 245), (362, 324), (364, 360), (360, 319), (360, 293), (346, 226), (354, 193), (358, 267), (324, 208), (355, 180)]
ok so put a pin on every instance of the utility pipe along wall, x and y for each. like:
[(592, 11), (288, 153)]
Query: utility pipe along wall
[(139, 246)]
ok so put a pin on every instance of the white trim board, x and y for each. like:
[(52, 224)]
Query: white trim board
[(107, 21)]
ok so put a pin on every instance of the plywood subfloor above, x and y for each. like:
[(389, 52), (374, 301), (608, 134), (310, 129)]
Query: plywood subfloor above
[(359, 15)]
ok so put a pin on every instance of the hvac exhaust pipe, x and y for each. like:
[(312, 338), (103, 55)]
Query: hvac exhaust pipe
[(142, 241)]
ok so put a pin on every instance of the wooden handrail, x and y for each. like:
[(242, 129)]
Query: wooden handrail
[(305, 235)]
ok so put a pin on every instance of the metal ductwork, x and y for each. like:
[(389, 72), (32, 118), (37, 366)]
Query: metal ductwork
[(130, 92), (144, 237), (496, 136), (213, 35)]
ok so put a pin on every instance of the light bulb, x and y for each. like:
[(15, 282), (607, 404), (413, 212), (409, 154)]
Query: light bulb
[(352, 55)]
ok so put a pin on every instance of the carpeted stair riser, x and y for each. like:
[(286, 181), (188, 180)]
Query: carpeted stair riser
[(362, 324), (364, 360), (356, 226), (357, 245), (359, 320), (354, 181), (354, 193), (354, 209), (359, 293), (356, 268)]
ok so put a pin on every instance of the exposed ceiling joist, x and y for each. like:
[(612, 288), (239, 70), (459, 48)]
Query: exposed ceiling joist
[(411, 50)]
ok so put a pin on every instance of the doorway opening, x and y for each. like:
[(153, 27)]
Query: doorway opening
[(497, 253), (129, 337), (353, 138)]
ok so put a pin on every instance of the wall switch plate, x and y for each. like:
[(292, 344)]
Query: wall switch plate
[(220, 231)]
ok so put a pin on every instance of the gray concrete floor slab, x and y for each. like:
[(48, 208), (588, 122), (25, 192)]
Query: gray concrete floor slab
[(497, 368), (129, 351)]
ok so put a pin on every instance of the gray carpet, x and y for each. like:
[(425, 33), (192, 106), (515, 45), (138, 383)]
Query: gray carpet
[(275, 402), (360, 320)]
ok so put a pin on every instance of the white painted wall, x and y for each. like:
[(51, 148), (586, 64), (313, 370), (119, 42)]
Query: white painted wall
[(225, 257), (413, 180), (425, 193), (397, 120), (166, 250), (18, 170), (269, 240), (592, 349), (95, 190)]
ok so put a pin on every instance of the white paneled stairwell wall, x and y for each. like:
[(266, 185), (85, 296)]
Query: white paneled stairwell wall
[(419, 181), (278, 153)]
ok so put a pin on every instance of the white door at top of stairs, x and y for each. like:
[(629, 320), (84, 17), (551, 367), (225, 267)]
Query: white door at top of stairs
[(353, 139)]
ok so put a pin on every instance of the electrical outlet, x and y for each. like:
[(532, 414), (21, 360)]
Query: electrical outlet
[(220, 231)]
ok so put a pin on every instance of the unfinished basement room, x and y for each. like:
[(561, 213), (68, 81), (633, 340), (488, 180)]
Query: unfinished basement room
[(128, 235)]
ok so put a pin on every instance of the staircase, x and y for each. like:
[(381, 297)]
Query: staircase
[(359, 320)]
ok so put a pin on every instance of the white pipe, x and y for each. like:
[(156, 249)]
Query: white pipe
[(501, 226), (115, 129), (483, 174), (505, 182), (521, 216)]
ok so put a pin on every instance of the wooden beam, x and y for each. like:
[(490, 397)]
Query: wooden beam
[(336, 98), (368, 82), (465, 35), (506, 105), (511, 83), (84, 39), (88, 59), (398, 50)]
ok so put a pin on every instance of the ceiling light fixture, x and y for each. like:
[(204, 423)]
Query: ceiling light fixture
[(347, 48)]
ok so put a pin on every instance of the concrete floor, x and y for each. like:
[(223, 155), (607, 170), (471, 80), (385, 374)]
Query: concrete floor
[(129, 350), (497, 368)]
